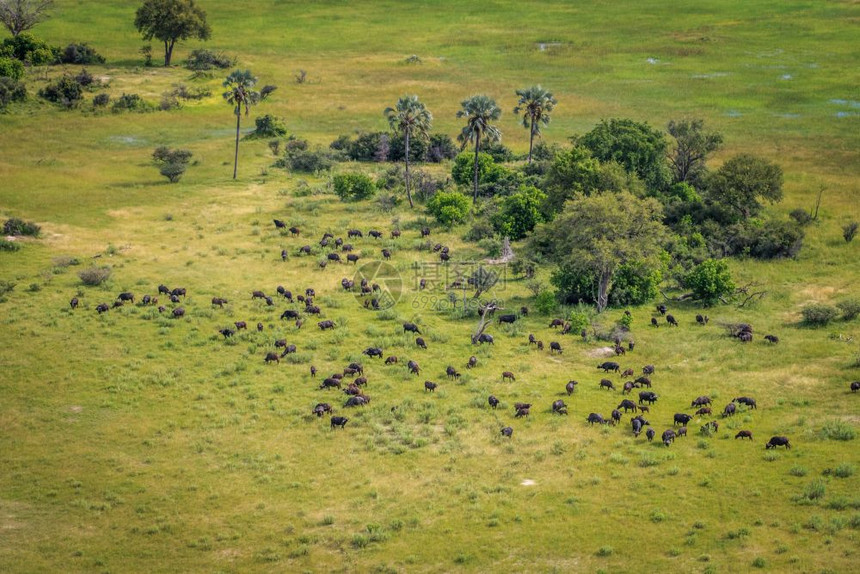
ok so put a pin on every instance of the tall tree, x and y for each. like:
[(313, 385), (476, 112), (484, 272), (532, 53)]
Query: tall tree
[(743, 181), (692, 146), (240, 94), (170, 21), (596, 235), (636, 146), (536, 104), (479, 111), (410, 118), (22, 15)]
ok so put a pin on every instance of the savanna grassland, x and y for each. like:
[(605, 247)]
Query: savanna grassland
[(135, 442)]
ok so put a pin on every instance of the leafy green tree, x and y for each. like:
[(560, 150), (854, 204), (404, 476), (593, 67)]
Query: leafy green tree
[(743, 182), (353, 186), (479, 112), (636, 146), (598, 234), (11, 68), (240, 94), (572, 172), (172, 162), (170, 21), (464, 167), (21, 15), (411, 118), (691, 149), (519, 213), (535, 103), (11, 91), (449, 207), (710, 280)]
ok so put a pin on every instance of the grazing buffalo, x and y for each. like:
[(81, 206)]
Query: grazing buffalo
[(682, 431), (484, 338), (631, 345), (430, 386), (559, 407), (648, 370), (540, 345), (321, 408), (668, 436), (452, 373), (313, 371), (523, 411), (163, 290), (413, 367), (420, 342), (333, 257), (352, 258), (606, 384), (178, 312), (227, 332), (220, 301), (508, 432), (771, 339), (357, 367), (74, 303), (702, 320), (284, 255), (616, 416), (241, 325), (494, 402), (571, 386), (595, 418), (750, 402), (744, 434), (650, 434), (375, 234), (637, 427), (327, 324), (178, 292), (444, 256), (279, 224), (703, 411), (260, 327), (425, 231), (700, 401), (121, 303), (628, 373), (288, 350), (556, 323), (855, 386), (349, 371), (654, 322), (681, 419), (338, 422), (628, 388), (619, 350), (392, 360), (661, 309), (647, 397), (644, 409), (395, 234), (330, 383), (627, 404), (411, 327), (507, 318), (354, 233), (553, 346), (126, 296), (150, 300), (609, 366), (258, 295), (272, 357), (360, 382), (473, 362), (565, 329), (524, 311), (386, 254), (508, 375), (745, 337), (295, 230), (309, 292), (641, 419), (710, 427), (730, 410), (306, 249), (777, 441)]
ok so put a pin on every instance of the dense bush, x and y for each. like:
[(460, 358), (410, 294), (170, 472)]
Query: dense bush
[(11, 68), (633, 284), (801, 216), (268, 126), (498, 152), (463, 170), (28, 49), (80, 54), (101, 100), (308, 161), (202, 60), (397, 148), (546, 302), (6, 245), (367, 146), (183, 92), (11, 91), (172, 162), (65, 91), (850, 308), (94, 275), (710, 280), (15, 226), (131, 103), (819, 314), (441, 147), (849, 231), (353, 186), (449, 208), (519, 213)]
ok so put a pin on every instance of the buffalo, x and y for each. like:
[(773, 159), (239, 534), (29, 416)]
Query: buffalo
[(559, 407), (220, 301), (375, 234), (321, 408), (553, 346), (507, 318), (338, 422), (386, 254), (295, 230), (473, 362), (671, 320), (508, 375), (556, 323), (430, 386), (163, 290), (272, 357), (616, 416), (647, 397), (354, 233), (627, 404), (392, 360), (570, 387), (668, 436), (661, 309), (682, 431), (606, 384), (484, 338), (420, 342), (595, 418), (637, 427), (290, 314), (628, 388), (744, 434), (745, 401), (682, 419), (523, 411), (648, 370), (700, 401), (855, 386), (178, 312), (703, 411), (508, 432), (777, 441), (411, 327), (373, 352), (494, 402), (609, 366), (352, 258), (241, 325), (452, 372), (102, 308), (702, 320), (227, 332), (279, 224), (330, 383), (73, 303), (327, 324), (288, 350), (730, 410), (654, 322), (650, 434), (313, 371), (126, 296), (178, 292), (628, 373), (771, 339), (413, 367)]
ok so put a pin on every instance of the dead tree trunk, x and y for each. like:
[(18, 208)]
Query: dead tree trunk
[(486, 311)]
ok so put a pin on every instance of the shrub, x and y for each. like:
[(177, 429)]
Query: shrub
[(131, 103), (710, 280), (519, 213), (353, 186), (268, 126), (183, 92), (849, 231), (172, 162), (101, 100), (546, 302), (94, 275), (441, 147), (80, 54), (801, 216), (11, 91), (818, 314), (6, 245), (814, 490), (449, 207), (202, 60), (605, 551), (850, 308), (15, 226), (844, 470), (838, 430), (11, 68), (634, 283), (309, 161), (65, 91), (463, 172), (28, 49)]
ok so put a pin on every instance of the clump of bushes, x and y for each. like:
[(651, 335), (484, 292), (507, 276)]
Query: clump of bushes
[(710, 280), (849, 231), (353, 186), (11, 68), (801, 216), (203, 60), (172, 162), (838, 430), (449, 208), (850, 308), (80, 54), (94, 275), (15, 226), (305, 160), (30, 50), (183, 92), (11, 91), (6, 245), (268, 126), (66, 91), (819, 314), (131, 103), (101, 100)]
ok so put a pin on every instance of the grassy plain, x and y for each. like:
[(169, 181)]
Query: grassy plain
[(136, 443)]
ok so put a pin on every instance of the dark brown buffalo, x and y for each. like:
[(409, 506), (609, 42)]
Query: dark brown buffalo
[(556, 323), (507, 375), (571, 386), (392, 360), (595, 418), (430, 386), (220, 301), (420, 342), (606, 384), (321, 408), (553, 346), (330, 383), (744, 434), (339, 422), (648, 370), (473, 362), (559, 407), (650, 434), (327, 324), (609, 366), (701, 401), (411, 327), (508, 432), (272, 357), (777, 441), (290, 314), (703, 411), (241, 325), (681, 419), (413, 367), (178, 312), (452, 373), (627, 404), (126, 296), (227, 332), (494, 402), (73, 303)]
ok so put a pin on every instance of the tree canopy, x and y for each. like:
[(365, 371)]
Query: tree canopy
[(535, 103), (479, 112), (410, 118), (691, 149), (170, 21), (240, 94), (743, 182), (636, 146), (21, 15)]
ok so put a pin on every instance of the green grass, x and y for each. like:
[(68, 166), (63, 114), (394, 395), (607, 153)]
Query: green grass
[(138, 443)]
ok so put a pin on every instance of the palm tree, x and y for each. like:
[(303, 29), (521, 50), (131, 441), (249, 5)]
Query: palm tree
[(479, 111), (535, 103), (240, 92), (409, 117)]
